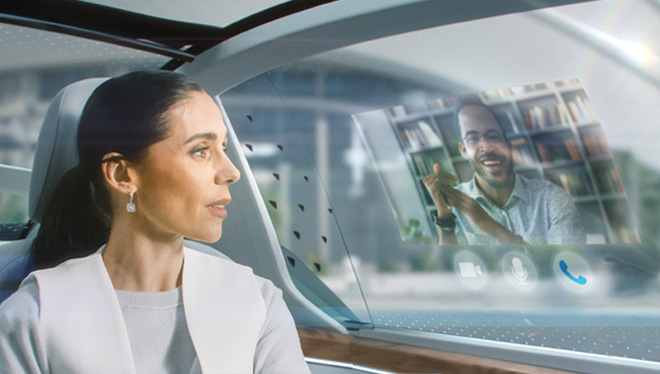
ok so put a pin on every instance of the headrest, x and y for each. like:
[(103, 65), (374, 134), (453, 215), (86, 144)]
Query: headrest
[(57, 151)]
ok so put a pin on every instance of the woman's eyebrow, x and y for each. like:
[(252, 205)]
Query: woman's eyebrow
[(204, 135)]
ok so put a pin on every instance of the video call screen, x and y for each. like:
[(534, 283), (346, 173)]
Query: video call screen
[(551, 133)]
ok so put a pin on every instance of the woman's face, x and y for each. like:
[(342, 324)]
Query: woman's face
[(183, 183)]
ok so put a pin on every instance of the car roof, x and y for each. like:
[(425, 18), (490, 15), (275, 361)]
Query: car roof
[(145, 30)]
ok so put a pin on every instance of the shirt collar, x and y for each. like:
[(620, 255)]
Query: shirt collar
[(519, 191)]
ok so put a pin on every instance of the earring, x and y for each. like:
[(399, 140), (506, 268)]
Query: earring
[(130, 207)]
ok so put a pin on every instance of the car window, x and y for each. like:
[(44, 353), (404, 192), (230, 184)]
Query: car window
[(36, 64), (574, 89)]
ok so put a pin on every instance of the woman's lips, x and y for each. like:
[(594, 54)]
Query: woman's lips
[(217, 211)]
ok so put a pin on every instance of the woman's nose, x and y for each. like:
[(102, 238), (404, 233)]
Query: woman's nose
[(227, 172)]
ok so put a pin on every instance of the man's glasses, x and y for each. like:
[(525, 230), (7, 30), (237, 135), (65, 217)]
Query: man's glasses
[(494, 138)]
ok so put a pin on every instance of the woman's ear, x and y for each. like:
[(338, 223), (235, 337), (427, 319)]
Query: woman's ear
[(118, 173)]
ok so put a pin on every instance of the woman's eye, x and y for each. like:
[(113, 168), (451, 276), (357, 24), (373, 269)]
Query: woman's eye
[(201, 152)]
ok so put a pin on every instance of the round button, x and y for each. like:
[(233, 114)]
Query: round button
[(573, 272), (470, 269), (519, 270)]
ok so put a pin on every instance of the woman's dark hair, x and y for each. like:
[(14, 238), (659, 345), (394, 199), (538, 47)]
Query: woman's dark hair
[(125, 114)]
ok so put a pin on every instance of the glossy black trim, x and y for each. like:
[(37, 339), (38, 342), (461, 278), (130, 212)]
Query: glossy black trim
[(111, 21)]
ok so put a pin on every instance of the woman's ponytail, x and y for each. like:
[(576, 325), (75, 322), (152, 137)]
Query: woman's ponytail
[(72, 224)]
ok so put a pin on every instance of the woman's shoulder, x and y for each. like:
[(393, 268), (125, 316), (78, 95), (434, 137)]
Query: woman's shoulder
[(23, 304), (21, 341)]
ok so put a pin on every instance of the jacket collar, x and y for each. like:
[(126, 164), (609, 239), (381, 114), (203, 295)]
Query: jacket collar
[(85, 330)]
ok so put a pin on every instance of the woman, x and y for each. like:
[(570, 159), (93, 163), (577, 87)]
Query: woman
[(152, 171)]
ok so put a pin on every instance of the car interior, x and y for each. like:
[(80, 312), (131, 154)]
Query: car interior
[(336, 111)]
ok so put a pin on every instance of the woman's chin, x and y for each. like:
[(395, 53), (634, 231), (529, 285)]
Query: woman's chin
[(208, 237)]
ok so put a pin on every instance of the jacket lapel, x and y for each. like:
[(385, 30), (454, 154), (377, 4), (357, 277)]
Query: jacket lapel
[(224, 312), (83, 324)]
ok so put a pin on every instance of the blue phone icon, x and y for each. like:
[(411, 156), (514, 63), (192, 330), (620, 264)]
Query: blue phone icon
[(564, 269)]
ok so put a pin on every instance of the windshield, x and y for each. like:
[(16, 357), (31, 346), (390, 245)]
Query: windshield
[(569, 95)]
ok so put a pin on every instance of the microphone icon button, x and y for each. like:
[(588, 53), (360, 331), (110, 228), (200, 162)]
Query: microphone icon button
[(519, 270)]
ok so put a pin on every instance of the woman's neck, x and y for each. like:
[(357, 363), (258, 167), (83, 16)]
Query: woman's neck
[(137, 262)]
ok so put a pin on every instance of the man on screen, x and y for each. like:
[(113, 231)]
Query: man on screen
[(497, 206)]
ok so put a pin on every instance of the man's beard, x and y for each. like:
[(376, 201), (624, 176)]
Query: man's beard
[(479, 169)]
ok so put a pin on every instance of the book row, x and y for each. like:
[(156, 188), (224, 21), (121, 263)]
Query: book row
[(539, 118), (608, 180), (419, 137)]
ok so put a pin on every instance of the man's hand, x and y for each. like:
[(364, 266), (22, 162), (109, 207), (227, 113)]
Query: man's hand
[(468, 206), (471, 208), (434, 182)]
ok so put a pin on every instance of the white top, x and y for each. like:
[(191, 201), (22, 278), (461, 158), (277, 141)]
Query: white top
[(157, 330), (69, 317)]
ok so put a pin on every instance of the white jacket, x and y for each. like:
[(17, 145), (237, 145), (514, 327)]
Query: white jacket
[(81, 327)]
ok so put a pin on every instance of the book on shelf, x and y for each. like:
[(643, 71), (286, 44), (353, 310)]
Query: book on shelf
[(554, 148), (423, 163), (543, 153), (595, 143), (581, 110), (522, 156), (415, 139), (627, 235), (419, 137), (575, 184), (429, 135), (608, 180), (440, 104), (519, 90), (573, 149), (495, 94), (568, 83), (539, 118)]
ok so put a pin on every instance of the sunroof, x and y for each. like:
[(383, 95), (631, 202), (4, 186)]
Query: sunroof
[(208, 12), (23, 48)]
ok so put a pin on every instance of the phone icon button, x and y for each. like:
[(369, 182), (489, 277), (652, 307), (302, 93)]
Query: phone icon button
[(573, 272), (564, 269)]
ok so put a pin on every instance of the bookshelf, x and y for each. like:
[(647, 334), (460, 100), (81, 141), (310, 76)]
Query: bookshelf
[(554, 134)]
